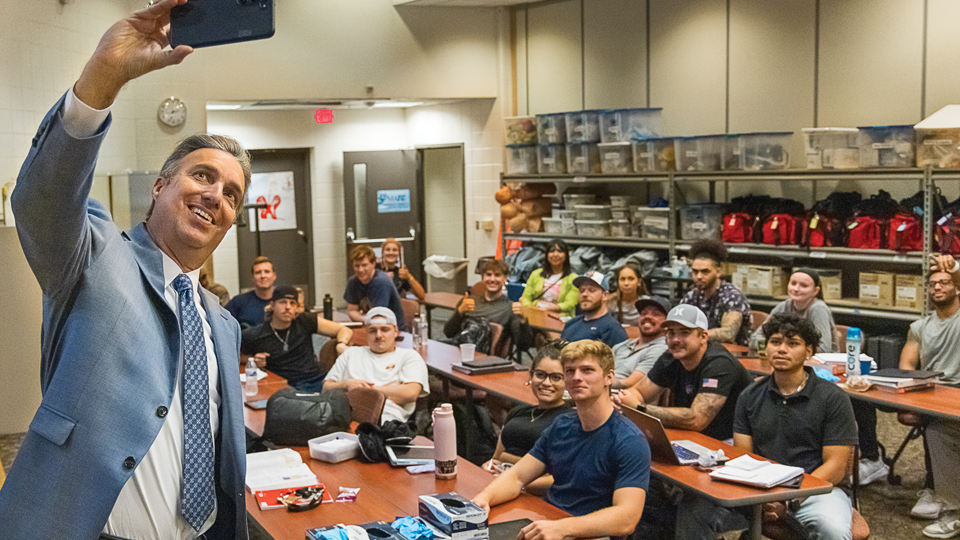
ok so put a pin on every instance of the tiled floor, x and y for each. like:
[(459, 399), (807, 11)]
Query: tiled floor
[(886, 508)]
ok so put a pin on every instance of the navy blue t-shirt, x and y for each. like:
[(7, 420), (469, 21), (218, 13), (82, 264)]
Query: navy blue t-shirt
[(588, 466), (606, 329), (378, 292), (247, 309)]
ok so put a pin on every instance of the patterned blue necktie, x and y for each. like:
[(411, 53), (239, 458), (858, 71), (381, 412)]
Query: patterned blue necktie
[(196, 488)]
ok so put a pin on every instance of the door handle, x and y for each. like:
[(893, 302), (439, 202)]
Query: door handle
[(354, 240), (303, 235)]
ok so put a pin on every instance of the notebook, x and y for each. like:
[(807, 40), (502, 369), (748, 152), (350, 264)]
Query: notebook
[(663, 449)]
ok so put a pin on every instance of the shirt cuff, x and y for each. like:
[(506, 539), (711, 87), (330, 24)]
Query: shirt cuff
[(79, 119)]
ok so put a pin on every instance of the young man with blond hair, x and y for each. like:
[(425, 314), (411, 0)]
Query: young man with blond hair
[(604, 494), (370, 287), (248, 308)]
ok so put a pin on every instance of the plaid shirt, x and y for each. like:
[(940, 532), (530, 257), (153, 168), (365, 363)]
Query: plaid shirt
[(727, 298)]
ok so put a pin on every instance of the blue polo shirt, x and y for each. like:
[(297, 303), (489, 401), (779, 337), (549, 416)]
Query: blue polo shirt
[(604, 328)]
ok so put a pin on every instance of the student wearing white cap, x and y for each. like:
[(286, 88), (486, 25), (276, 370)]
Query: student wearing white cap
[(595, 322), (401, 374)]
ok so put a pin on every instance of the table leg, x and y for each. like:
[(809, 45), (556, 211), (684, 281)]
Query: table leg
[(756, 524), (429, 311)]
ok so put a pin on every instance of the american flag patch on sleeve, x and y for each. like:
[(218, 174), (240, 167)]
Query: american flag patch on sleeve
[(709, 383)]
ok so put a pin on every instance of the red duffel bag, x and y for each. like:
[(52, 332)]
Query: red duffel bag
[(905, 233), (865, 232), (781, 230), (738, 228)]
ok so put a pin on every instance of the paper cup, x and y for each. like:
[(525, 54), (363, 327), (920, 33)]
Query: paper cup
[(467, 350)]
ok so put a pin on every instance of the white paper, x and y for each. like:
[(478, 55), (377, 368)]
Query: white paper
[(277, 191), (261, 374)]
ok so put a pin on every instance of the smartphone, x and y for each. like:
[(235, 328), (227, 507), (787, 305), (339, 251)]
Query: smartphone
[(205, 23), (257, 405)]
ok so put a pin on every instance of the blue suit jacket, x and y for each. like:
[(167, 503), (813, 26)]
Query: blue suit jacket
[(109, 355)]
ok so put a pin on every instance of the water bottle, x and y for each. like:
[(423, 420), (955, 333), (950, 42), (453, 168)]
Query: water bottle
[(853, 351), (424, 330), (327, 307), (416, 333), (445, 442), (251, 385)]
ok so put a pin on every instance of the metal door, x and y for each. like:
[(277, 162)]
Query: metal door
[(381, 198), (289, 247)]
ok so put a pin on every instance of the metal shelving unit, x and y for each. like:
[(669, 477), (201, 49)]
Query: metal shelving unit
[(925, 179)]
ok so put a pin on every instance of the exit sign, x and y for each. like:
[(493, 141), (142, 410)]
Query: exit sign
[(323, 116)]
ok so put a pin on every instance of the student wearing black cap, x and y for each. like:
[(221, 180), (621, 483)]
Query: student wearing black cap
[(804, 300), (284, 344)]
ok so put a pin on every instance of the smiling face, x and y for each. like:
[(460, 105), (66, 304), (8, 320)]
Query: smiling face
[(549, 393), (787, 354), (585, 380), (364, 270), (651, 321), (556, 257), (684, 343), (801, 289), (195, 207), (941, 289), (493, 282), (390, 254), (263, 276), (381, 336)]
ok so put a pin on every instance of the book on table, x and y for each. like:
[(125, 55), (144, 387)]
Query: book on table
[(277, 469), (903, 380), (755, 472), (484, 365)]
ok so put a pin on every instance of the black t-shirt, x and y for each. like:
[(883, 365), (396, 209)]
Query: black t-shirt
[(403, 285), (298, 362), (717, 373), (793, 430), (524, 425)]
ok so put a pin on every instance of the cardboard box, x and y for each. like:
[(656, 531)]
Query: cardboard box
[(909, 291), (876, 289), (831, 284), (455, 516), (766, 281)]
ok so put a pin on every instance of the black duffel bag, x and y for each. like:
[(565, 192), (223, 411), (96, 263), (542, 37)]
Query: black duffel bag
[(294, 417)]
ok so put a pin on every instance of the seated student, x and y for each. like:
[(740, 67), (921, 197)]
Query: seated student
[(703, 378), (595, 322), (635, 357), (605, 493), (284, 344), (492, 305), (248, 308), (403, 280), (525, 423), (370, 287), (795, 418), (726, 308), (401, 374), (551, 287), (805, 299), (630, 287)]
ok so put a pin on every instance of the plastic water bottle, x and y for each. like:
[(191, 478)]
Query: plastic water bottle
[(424, 330), (853, 351), (250, 387), (445, 442), (327, 307), (416, 334)]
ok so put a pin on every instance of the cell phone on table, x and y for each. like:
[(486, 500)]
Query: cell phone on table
[(205, 23), (257, 405)]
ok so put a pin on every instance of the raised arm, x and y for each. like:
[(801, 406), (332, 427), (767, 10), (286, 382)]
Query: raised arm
[(415, 285)]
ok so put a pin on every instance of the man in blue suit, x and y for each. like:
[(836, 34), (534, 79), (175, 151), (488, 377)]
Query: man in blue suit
[(140, 431)]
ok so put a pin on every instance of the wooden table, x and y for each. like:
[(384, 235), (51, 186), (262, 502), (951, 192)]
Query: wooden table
[(441, 357), (941, 400)]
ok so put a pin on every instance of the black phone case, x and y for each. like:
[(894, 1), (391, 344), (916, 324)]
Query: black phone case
[(205, 23)]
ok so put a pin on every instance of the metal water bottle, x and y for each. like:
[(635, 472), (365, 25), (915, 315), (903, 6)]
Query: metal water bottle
[(250, 387), (327, 307), (853, 351), (445, 442)]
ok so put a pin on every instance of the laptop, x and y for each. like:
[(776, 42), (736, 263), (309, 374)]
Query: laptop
[(664, 450)]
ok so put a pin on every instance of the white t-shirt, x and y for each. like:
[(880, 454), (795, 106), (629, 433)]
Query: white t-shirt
[(400, 366)]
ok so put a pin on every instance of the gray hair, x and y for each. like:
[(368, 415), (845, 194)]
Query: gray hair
[(201, 141)]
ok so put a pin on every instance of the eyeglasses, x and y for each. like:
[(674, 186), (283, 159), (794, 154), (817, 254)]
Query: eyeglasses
[(942, 283), (540, 375)]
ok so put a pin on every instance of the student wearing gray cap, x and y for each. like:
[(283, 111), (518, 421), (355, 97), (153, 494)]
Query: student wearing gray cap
[(703, 378), (633, 358), (595, 322), (805, 300)]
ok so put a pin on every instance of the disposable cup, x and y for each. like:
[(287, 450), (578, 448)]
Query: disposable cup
[(467, 351)]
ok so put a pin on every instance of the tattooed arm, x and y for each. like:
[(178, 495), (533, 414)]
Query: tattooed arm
[(695, 418), (729, 327)]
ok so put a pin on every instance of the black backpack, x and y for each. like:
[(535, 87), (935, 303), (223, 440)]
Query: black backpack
[(475, 330), (293, 417)]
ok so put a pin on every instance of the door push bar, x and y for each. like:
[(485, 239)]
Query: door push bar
[(354, 240)]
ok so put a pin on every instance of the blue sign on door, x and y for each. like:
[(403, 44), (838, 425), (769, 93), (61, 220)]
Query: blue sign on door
[(393, 200)]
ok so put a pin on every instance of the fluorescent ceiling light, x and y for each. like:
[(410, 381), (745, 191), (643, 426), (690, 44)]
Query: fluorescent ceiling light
[(214, 106), (397, 104)]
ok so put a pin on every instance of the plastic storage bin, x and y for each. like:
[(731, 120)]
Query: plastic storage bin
[(698, 153), (552, 158), (620, 213), (765, 151), (583, 158), (654, 223), (521, 129), (831, 148), (583, 126), (551, 128), (335, 447), (624, 125), (939, 148), (654, 155), (521, 159), (886, 146), (731, 152), (620, 227), (593, 228), (700, 221), (593, 211), (616, 158), (571, 200), (623, 201), (552, 225)]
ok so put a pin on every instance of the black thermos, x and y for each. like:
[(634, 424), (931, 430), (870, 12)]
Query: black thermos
[(327, 307)]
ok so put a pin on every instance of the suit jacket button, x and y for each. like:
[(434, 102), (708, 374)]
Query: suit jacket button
[(129, 462), (161, 411)]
